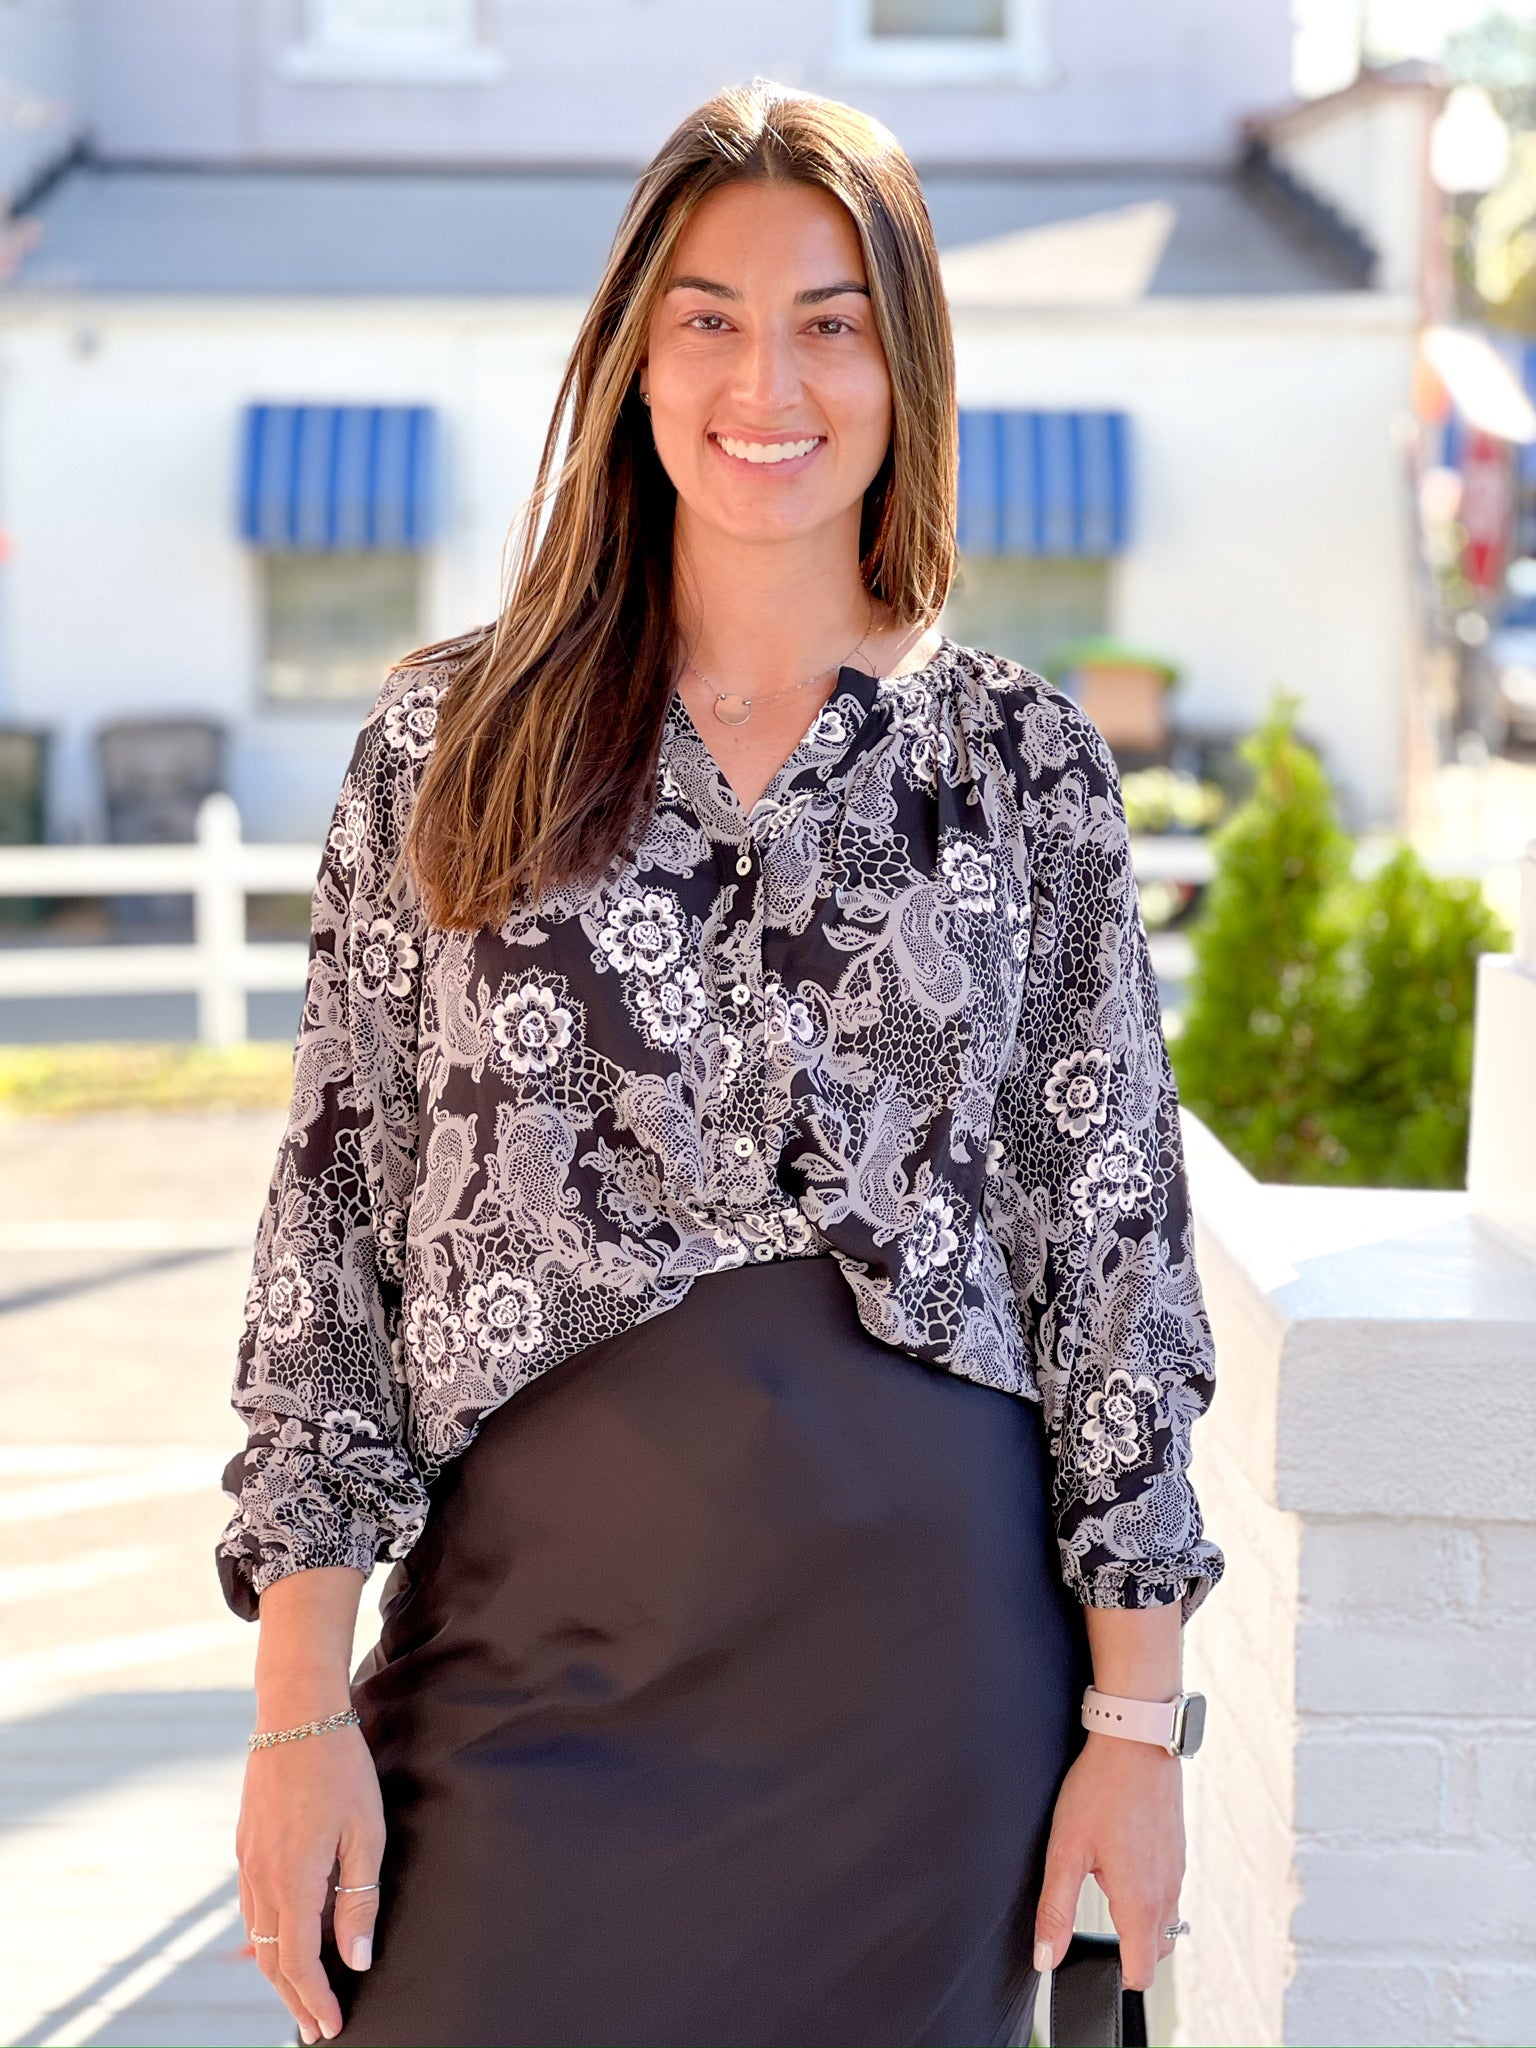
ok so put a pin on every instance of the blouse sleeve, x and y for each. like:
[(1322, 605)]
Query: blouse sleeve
[(325, 1478), (1090, 1204)]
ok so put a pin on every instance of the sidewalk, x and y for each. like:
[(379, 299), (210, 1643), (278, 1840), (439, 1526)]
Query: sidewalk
[(124, 1681)]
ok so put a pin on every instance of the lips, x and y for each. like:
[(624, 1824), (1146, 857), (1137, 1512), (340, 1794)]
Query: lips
[(767, 454)]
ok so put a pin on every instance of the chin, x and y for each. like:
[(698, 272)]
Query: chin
[(767, 523)]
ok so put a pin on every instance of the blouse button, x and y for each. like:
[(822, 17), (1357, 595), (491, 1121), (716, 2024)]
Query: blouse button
[(744, 864), (743, 1147), (741, 995)]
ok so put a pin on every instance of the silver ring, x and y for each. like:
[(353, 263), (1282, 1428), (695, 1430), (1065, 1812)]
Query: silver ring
[(357, 1888), (1172, 1933), (266, 1940)]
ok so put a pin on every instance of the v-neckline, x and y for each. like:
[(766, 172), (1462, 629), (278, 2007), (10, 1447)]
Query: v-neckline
[(855, 683)]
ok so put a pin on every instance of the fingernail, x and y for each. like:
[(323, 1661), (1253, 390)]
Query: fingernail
[(330, 2033), (1042, 1955), (362, 1952), (306, 2035)]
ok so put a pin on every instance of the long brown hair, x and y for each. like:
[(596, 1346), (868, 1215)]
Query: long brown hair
[(549, 732)]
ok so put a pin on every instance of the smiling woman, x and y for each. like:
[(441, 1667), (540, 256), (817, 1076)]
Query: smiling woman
[(730, 1251)]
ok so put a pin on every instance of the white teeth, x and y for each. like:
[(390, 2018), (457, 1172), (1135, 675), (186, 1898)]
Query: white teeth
[(768, 451)]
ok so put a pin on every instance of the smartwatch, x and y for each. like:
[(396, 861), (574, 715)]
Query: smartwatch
[(1176, 1725)]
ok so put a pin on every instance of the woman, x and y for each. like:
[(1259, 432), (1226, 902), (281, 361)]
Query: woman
[(730, 1245)]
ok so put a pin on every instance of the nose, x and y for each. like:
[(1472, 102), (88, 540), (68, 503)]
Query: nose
[(769, 378)]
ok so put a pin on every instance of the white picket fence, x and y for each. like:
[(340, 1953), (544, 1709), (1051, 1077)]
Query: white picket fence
[(218, 870)]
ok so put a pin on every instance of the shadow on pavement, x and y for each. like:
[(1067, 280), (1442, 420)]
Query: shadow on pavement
[(82, 1283), (214, 1997), (70, 1752)]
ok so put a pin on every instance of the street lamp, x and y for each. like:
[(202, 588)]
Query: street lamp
[(1469, 144)]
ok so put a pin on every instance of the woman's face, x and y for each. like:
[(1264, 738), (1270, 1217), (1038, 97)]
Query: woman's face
[(770, 396)]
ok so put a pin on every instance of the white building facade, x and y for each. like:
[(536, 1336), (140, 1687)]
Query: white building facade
[(231, 239)]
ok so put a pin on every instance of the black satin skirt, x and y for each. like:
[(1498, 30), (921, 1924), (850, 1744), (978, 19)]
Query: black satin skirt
[(725, 1699)]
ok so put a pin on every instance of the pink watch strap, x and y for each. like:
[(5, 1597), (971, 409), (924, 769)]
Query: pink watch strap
[(1137, 1720)]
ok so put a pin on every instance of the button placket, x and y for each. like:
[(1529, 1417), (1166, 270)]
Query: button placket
[(745, 1012)]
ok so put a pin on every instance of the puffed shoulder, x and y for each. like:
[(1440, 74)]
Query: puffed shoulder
[(1038, 729)]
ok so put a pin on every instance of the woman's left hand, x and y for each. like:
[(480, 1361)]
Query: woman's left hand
[(1119, 1818)]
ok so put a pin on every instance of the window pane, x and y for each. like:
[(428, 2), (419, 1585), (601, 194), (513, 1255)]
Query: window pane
[(939, 18), (434, 24), (334, 623), (1026, 608)]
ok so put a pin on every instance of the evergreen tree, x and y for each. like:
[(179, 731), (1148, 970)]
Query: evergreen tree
[(1328, 1031), (1402, 1046), (1248, 1058)]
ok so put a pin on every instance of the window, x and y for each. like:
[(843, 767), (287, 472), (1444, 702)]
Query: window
[(334, 623), (410, 40), (939, 18), (945, 42), (1026, 607)]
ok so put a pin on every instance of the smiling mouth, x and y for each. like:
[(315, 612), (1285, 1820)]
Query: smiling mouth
[(762, 454)]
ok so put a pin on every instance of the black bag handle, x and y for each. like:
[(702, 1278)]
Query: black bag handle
[(1090, 2007)]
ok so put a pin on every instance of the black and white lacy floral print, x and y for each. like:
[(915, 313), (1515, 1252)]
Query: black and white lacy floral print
[(900, 1012)]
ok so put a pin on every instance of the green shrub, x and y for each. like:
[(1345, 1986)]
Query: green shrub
[(1167, 800), (88, 1080), (1328, 1032), (1404, 1033), (1247, 1058)]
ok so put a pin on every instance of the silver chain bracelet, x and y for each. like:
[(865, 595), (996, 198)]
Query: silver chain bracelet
[(349, 1719)]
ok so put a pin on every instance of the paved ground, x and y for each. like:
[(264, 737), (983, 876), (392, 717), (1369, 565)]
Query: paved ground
[(62, 1020), (124, 1681)]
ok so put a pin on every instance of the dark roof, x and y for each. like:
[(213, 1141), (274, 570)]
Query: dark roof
[(103, 228)]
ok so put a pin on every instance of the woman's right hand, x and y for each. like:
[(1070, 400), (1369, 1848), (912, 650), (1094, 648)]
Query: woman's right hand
[(306, 1805), (309, 1804)]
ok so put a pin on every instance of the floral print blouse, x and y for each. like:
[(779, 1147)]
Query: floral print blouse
[(900, 1012)]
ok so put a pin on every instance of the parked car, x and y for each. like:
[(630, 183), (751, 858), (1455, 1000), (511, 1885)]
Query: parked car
[(1512, 653)]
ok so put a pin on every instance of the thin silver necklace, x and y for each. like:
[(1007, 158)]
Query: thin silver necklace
[(731, 708)]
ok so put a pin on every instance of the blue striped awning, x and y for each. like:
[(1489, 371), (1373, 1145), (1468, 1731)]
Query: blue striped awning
[(322, 478), (1044, 483)]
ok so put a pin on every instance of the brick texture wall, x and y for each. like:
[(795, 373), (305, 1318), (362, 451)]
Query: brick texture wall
[(1362, 1819)]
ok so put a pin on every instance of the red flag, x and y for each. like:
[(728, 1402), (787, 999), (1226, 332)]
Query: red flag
[(1487, 507)]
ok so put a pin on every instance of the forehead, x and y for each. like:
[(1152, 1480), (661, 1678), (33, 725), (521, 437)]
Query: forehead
[(753, 228)]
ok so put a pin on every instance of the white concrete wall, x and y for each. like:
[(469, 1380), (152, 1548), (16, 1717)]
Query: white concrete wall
[(129, 591), (1362, 1820), (1268, 549), (605, 80), (1367, 153), (40, 87)]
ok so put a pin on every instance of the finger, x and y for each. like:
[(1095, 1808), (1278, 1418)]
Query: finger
[(1057, 1910), (299, 1955), (265, 1920), (357, 1910), (262, 1919), (1140, 1945)]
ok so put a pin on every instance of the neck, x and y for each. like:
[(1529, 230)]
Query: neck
[(757, 614)]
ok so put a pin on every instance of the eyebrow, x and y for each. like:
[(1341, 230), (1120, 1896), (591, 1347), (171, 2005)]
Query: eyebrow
[(813, 297)]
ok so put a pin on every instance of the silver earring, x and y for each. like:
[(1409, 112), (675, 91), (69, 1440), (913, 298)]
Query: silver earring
[(645, 398)]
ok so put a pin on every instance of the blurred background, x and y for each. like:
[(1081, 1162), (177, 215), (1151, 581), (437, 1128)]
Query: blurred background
[(1239, 292), (1244, 296)]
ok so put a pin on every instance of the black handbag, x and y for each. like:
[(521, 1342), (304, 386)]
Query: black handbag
[(1090, 2007)]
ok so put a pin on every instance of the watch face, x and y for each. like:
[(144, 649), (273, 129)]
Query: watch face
[(1191, 1726)]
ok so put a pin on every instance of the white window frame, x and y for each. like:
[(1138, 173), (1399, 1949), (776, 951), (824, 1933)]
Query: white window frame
[(1020, 56), (459, 57)]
